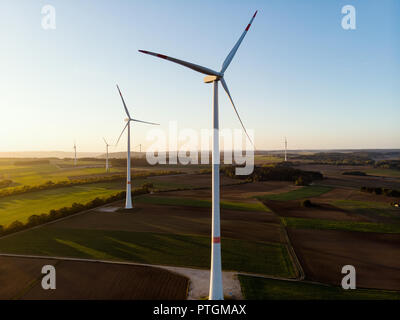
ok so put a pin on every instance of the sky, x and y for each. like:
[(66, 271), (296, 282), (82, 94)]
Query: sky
[(297, 74)]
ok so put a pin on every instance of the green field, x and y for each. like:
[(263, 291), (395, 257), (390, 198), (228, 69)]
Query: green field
[(255, 288), (305, 223), (302, 193), (384, 172), (369, 208), (268, 159), (153, 248), (56, 170), (203, 203), (20, 207)]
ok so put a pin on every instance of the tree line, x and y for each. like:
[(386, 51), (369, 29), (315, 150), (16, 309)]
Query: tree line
[(276, 173), (5, 183), (382, 191)]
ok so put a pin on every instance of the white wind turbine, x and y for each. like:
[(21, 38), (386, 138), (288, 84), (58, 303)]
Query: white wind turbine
[(128, 202), (107, 145), (285, 149), (75, 153), (216, 288)]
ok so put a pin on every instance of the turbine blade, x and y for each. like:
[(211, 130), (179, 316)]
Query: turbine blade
[(231, 54), (156, 124), (189, 65), (123, 101), (121, 133), (225, 86), (105, 141)]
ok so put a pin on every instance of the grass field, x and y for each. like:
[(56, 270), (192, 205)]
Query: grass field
[(54, 171), (369, 208), (302, 193), (20, 207), (152, 248), (242, 206), (268, 289), (268, 159), (384, 172), (303, 223)]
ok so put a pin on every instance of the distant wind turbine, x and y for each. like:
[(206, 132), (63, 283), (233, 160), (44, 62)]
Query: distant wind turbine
[(75, 153), (285, 149), (128, 202), (216, 288), (107, 145)]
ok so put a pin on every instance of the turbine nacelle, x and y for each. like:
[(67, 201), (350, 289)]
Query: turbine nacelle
[(210, 79)]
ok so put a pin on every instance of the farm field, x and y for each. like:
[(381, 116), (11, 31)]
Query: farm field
[(13, 207), (21, 206), (177, 224), (384, 172), (168, 225), (322, 253), (269, 289), (152, 248), (89, 281), (56, 170), (300, 193), (334, 177)]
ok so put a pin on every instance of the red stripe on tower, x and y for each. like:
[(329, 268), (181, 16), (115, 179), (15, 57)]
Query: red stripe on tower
[(216, 240), (128, 182)]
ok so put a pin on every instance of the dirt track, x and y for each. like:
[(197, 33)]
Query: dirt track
[(323, 253)]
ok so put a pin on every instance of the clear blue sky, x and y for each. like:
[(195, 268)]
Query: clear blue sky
[(297, 74)]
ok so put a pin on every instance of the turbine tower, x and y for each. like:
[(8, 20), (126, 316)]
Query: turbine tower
[(285, 149), (216, 288), (107, 145), (75, 153), (128, 201)]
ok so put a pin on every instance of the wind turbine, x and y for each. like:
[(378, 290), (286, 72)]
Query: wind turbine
[(107, 145), (216, 288), (128, 202), (285, 149), (75, 153)]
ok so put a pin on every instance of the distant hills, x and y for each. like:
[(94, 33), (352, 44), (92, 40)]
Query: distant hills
[(120, 155), (48, 154)]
